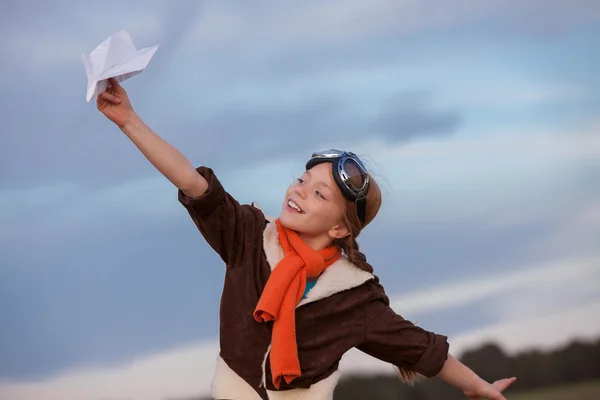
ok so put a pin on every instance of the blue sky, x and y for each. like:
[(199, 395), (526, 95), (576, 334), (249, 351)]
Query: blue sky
[(480, 120)]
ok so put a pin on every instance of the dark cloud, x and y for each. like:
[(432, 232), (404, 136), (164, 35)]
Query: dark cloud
[(178, 20), (106, 296), (550, 19), (408, 119), (252, 135), (418, 257), (51, 135), (69, 140)]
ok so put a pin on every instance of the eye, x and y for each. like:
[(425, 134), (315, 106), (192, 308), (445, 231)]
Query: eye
[(299, 180), (320, 195)]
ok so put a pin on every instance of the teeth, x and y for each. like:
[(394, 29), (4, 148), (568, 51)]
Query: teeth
[(294, 206)]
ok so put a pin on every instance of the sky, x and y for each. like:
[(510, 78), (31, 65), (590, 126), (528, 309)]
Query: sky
[(479, 120)]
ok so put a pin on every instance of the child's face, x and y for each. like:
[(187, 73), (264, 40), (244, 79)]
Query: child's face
[(320, 202)]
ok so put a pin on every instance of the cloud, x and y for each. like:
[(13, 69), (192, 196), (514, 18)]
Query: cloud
[(188, 370), (507, 90), (408, 120), (282, 130), (152, 377), (110, 284), (276, 25), (106, 275), (42, 45), (497, 194), (237, 91), (453, 113), (178, 20), (540, 331), (459, 292), (577, 233), (269, 132), (210, 30), (497, 178)]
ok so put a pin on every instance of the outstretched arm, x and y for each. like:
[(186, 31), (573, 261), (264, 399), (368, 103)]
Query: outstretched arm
[(416, 351), (116, 106), (460, 376)]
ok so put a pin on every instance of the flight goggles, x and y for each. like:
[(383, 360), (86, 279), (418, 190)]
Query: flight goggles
[(349, 174)]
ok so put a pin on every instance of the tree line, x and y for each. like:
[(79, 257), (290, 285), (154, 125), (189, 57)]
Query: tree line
[(576, 362)]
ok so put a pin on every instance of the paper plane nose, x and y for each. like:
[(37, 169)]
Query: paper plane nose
[(91, 89)]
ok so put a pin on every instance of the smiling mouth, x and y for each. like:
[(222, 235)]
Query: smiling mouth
[(291, 204)]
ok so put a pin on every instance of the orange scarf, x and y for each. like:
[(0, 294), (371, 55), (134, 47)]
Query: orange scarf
[(283, 292)]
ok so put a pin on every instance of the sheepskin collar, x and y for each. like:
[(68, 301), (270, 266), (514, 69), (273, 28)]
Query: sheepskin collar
[(341, 275)]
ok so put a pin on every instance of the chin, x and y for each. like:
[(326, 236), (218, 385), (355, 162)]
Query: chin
[(289, 221)]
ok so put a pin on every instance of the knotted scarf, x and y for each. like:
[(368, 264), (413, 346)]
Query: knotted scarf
[(283, 291)]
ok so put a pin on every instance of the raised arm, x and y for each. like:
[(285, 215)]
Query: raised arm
[(229, 227), (116, 106)]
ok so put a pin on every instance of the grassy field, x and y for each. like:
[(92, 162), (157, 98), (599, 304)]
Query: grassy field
[(578, 391)]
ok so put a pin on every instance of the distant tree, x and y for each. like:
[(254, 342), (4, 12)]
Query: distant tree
[(579, 361), (489, 362)]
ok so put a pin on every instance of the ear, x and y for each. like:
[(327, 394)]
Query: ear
[(338, 232)]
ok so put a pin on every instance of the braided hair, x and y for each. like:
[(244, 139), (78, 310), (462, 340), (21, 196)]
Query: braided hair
[(348, 243), (350, 247)]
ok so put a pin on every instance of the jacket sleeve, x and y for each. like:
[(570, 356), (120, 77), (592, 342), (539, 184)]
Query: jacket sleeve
[(391, 338), (227, 226)]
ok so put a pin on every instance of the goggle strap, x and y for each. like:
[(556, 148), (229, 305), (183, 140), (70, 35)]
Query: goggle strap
[(361, 209)]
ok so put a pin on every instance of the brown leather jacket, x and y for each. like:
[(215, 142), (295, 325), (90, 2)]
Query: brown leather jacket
[(346, 308)]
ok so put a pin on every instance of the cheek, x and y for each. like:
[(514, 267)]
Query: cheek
[(327, 214)]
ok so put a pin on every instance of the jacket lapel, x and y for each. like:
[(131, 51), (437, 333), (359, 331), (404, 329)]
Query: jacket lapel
[(341, 275)]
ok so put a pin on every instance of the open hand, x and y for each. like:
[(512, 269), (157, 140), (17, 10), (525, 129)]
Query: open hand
[(491, 391), (114, 103)]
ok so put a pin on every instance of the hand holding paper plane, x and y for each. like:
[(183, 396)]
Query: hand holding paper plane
[(116, 57)]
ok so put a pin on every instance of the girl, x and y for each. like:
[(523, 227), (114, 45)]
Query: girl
[(298, 294)]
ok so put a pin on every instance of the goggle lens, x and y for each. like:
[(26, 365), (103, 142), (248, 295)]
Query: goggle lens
[(354, 176)]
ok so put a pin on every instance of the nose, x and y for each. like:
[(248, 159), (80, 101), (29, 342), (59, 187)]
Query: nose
[(300, 191)]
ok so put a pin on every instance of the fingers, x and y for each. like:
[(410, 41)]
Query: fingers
[(111, 98)]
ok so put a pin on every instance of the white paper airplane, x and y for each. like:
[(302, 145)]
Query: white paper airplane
[(116, 57)]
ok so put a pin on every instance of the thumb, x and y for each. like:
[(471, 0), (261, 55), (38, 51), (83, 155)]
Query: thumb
[(115, 85), (502, 384)]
